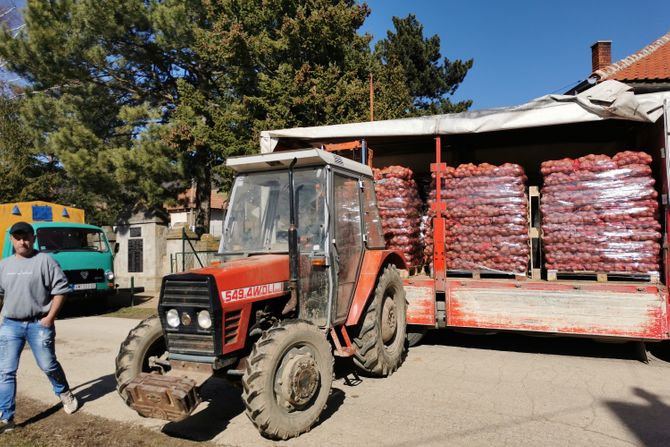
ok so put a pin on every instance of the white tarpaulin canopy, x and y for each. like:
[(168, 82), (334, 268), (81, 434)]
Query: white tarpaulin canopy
[(608, 100)]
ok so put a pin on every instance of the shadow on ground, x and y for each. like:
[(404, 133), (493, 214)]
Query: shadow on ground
[(224, 402), (570, 346), (96, 306), (95, 389), (648, 420)]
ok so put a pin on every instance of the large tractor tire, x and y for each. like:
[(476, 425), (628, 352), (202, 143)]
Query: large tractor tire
[(381, 341), (139, 352), (287, 380)]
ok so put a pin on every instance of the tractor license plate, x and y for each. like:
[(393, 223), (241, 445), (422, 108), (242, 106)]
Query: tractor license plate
[(84, 286)]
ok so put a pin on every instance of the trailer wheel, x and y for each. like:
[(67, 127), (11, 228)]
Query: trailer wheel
[(139, 353), (415, 334), (287, 380), (381, 341)]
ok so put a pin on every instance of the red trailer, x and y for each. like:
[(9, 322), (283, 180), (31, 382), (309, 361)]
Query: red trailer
[(606, 119)]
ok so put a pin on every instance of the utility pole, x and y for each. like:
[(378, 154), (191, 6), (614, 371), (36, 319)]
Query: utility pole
[(372, 99)]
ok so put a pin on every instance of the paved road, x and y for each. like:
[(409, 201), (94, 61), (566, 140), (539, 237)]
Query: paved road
[(455, 389)]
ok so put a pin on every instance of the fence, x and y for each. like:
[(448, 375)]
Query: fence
[(182, 261), (186, 259)]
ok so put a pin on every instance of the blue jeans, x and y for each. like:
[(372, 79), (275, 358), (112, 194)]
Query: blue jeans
[(13, 337)]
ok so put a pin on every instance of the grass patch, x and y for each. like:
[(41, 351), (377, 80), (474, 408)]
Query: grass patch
[(136, 312), (42, 425)]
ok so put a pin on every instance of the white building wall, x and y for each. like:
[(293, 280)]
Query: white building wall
[(216, 223), (178, 218)]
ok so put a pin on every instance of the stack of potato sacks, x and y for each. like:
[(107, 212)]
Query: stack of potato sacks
[(400, 210), (486, 218), (600, 214)]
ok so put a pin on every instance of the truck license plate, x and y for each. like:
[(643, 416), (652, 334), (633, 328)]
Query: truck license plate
[(84, 286)]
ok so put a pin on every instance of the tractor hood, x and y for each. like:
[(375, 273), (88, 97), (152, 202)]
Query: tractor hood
[(250, 279)]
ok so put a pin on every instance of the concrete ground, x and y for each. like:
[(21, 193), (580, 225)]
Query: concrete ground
[(454, 389)]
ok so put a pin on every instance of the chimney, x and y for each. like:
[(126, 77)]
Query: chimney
[(601, 54)]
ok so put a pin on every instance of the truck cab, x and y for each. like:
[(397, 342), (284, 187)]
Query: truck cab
[(83, 252)]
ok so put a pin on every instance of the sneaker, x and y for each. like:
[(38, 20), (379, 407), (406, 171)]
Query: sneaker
[(6, 425), (70, 403)]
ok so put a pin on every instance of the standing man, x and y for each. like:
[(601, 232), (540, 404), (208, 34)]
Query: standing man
[(34, 287)]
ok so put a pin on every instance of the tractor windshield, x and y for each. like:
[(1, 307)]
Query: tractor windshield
[(258, 213)]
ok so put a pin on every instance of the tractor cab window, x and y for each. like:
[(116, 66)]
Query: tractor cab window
[(310, 216), (258, 214)]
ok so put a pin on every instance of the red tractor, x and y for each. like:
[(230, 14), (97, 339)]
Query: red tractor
[(304, 276)]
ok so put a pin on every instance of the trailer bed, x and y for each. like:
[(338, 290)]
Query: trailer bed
[(620, 310)]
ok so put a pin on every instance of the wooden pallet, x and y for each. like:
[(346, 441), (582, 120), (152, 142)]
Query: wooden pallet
[(485, 274), (534, 232), (651, 277)]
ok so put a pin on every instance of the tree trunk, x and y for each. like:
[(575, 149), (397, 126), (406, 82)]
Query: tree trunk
[(203, 194)]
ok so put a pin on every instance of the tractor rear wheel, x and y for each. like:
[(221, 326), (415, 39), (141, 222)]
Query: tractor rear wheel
[(287, 380), (381, 342), (138, 353)]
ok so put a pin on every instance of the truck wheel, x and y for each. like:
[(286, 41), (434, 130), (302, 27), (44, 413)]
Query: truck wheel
[(381, 339), (415, 334), (139, 352), (287, 380)]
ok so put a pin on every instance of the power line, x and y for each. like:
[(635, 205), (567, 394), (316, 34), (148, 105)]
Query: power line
[(566, 87), (12, 18), (7, 12)]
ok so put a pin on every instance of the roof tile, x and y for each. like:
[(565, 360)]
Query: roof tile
[(650, 63), (186, 200)]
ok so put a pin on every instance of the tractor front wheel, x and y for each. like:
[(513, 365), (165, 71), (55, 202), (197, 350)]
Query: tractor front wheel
[(287, 380), (141, 351), (381, 341)]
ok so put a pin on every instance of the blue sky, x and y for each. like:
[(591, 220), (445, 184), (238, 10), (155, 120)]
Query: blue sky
[(525, 49), (522, 48)]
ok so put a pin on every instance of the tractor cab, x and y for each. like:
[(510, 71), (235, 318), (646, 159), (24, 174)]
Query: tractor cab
[(335, 220)]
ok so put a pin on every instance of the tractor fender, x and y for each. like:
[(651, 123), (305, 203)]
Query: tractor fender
[(374, 262)]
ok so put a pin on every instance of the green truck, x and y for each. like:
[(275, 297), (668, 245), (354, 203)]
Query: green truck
[(82, 250)]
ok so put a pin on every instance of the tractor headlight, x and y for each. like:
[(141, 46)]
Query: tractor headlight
[(172, 318), (204, 319), (110, 276)]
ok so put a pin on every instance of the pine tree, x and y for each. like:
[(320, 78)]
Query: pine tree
[(16, 162), (429, 80), (26, 175), (279, 64), (103, 81), (288, 63), (128, 101)]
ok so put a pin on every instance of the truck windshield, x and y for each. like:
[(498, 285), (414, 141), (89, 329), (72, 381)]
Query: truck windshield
[(70, 239), (258, 214)]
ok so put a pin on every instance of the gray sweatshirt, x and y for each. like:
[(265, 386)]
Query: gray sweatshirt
[(29, 285)]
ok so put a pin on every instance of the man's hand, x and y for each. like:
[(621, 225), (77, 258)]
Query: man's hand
[(56, 304), (47, 321)]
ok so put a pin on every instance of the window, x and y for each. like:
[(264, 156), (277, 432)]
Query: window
[(258, 214), (71, 239)]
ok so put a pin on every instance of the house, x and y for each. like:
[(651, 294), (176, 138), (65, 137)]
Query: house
[(647, 70), (183, 214)]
